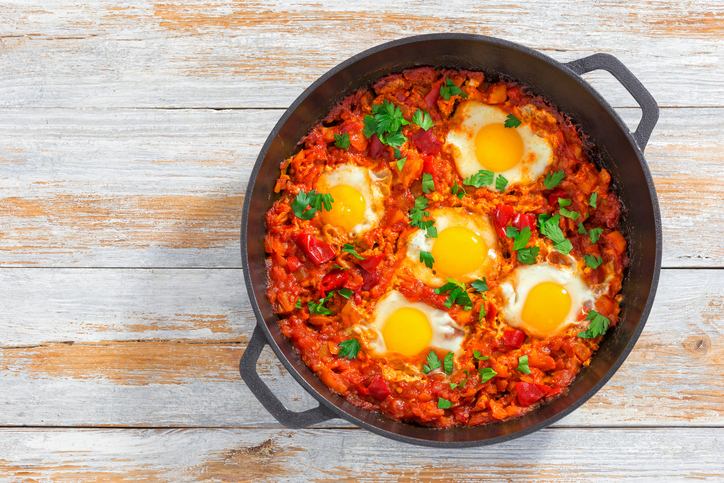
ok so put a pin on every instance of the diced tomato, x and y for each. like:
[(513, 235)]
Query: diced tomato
[(378, 388), (293, 263), (375, 149), (520, 221), (490, 312), (502, 214), (513, 338), (317, 251), (530, 392), (431, 97), (427, 142), (370, 263), (370, 279), (334, 280), (555, 194)]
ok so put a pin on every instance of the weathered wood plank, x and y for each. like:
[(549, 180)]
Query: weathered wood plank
[(338, 455), (161, 347), (201, 53), (164, 188)]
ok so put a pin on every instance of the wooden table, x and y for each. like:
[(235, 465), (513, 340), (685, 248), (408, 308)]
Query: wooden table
[(127, 134)]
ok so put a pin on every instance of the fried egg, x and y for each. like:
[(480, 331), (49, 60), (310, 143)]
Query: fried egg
[(479, 140), (544, 299), (466, 248), (358, 195), (412, 328)]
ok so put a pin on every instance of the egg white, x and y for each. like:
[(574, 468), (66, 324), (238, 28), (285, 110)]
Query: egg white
[(445, 218), (515, 289), (471, 116), (374, 188)]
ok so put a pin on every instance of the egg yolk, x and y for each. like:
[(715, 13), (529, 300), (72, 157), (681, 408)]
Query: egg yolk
[(407, 331), (458, 251), (348, 208), (546, 307), (498, 148)]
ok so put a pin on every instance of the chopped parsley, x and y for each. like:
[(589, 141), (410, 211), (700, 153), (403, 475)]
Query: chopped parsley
[(318, 308), (350, 249), (386, 121), (564, 201), (428, 185), (458, 191), (581, 229), (416, 218), (337, 266), (512, 121), (456, 294), (594, 234), (401, 163), (443, 403), (523, 365), (427, 259), (592, 262), (433, 362), (480, 285), (342, 141), (447, 363), (349, 348), (486, 374), (480, 179), (528, 255), (422, 119), (501, 183), (345, 292), (478, 355), (450, 89), (553, 179), (299, 303), (461, 383), (598, 326), (594, 198), (521, 238), (549, 227), (312, 200), (569, 214)]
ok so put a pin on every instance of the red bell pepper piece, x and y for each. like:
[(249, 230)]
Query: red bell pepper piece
[(314, 249), (378, 388), (370, 263), (502, 214), (370, 279), (431, 97), (293, 263), (490, 312), (427, 142), (513, 338), (555, 194), (530, 392), (334, 280), (376, 147), (520, 221)]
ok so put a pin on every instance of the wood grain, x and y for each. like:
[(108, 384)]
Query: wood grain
[(333, 455), (161, 347), (164, 188)]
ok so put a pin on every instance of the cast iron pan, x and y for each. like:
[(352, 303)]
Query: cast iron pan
[(621, 153)]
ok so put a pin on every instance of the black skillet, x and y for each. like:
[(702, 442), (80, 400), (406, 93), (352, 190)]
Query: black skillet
[(621, 153)]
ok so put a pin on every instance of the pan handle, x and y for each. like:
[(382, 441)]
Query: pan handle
[(649, 108), (290, 419)]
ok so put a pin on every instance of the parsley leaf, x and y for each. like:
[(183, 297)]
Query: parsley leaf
[(337, 266), (401, 163), (350, 249), (426, 258), (486, 374), (431, 232), (523, 365), (553, 179), (342, 142), (418, 212), (448, 362), (443, 403), (345, 292), (456, 294), (594, 234), (593, 199), (549, 227), (422, 119), (479, 356), (349, 348), (312, 200), (433, 362), (569, 214), (581, 229), (564, 201), (501, 183), (598, 326), (482, 313), (386, 122), (480, 179), (457, 190), (462, 383), (318, 308), (528, 255), (512, 232), (512, 121), (521, 239), (480, 285), (299, 303), (592, 262), (428, 185), (450, 89)]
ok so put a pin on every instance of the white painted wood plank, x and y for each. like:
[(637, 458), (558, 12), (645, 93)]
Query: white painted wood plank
[(201, 53), (161, 348), (164, 188), (334, 455)]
